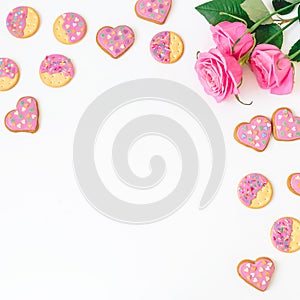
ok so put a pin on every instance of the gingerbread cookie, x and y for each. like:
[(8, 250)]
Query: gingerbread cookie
[(293, 183), (56, 70), (9, 74), (167, 47), (286, 127), (69, 28), (257, 273), (115, 41), (155, 11), (25, 118), (285, 234), (256, 134), (23, 22), (255, 191)]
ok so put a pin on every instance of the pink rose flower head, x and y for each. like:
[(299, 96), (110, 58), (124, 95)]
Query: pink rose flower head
[(225, 34), (219, 74), (273, 70)]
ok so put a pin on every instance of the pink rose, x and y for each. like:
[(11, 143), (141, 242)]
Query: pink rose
[(273, 70), (225, 34), (219, 74)]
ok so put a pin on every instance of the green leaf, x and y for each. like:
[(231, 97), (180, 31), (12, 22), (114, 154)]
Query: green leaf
[(278, 4), (212, 11), (256, 10), (294, 50), (264, 32)]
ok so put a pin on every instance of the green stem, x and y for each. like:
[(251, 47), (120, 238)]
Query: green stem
[(291, 57), (260, 22), (282, 29), (233, 17), (239, 100)]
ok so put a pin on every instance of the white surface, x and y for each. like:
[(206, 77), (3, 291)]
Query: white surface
[(54, 245)]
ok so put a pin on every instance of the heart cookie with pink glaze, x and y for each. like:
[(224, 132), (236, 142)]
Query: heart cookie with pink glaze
[(25, 118), (286, 127), (115, 41), (156, 11), (257, 273), (293, 183), (256, 134)]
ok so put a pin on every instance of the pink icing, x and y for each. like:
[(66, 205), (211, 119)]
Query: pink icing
[(287, 126), (281, 234), (16, 21), (8, 68), (115, 41), (75, 26), (153, 10), (257, 274), (249, 186), (57, 63), (160, 47), (255, 134), (295, 183), (25, 117)]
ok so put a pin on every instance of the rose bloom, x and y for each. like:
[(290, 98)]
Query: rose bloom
[(225, 34), (273, 70), (219, 74)]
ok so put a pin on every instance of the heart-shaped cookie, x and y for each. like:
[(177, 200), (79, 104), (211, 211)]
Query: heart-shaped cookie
[(155, 11), (115, 41), (286, 127), (257, 273), (293, 183), (25, 118), (256, 134)]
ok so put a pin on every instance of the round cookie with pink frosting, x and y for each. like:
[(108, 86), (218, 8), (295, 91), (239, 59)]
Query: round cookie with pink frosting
[(69, 28), (167, 47), (293, 183), (255, 191), (56, 70), (23, 22), (285, 235), (9, 74)]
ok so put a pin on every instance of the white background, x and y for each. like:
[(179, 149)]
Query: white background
[(54, 245)]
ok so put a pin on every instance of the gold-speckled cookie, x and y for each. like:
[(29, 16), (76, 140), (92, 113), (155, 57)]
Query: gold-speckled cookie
[(167, 47), (23, 22), (9, 74), (69, 28), (56, 70), (255, 191)]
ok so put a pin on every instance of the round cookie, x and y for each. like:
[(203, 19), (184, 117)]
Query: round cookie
[(69, 28), (293, 183), (255, 191), (285, 235), (56, 70), (23, 22), (9, 74), (25, 118), (167, 47)]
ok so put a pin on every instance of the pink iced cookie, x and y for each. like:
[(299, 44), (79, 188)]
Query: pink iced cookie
[(167, 47), (293, 183), (56, 70), (69, 28), (23, 22), (115, 41), (285, 234), (25, 118), (9, 74), (257, 273), (256, 134), (155, 11), (286, 127), (255, 191)]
